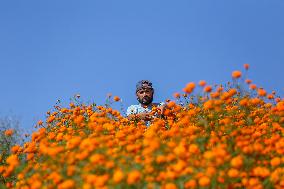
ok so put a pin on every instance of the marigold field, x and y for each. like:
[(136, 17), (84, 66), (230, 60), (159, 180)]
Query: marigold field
[(229, 136)]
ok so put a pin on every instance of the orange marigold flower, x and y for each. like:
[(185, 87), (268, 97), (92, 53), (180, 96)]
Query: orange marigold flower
[(36, 184), (40, 122), (248, 81), (71, 170), (73, 142), (171, 104), (15, 149), (161, 159), (13, 160), (246, 66), (170, 186), (176, 95), (208, 105), (244, 102), (204, 181), (9, 184), (237, 162), (275, 161), (210, 171), (133, 177), (214, 94), (261, 92), (233, 173), (220, 89), (72, 105), (202, 83), (67, 184), (101, 180), (236, 74), (252, 86), (253, 181), (220, 179), (189, 87), (79, 119), (51, 119), (208, 89), (270, 96), (116, 98), (56, 177), (9, 132), (190, 184), (193, 148), (118, 176)]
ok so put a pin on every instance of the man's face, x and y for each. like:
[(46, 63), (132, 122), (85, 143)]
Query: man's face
[(145, 96)]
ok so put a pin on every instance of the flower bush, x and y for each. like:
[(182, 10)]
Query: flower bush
[(10, 138), (223, 137)]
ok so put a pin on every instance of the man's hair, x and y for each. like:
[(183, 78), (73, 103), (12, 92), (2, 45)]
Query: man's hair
[(144, 84)]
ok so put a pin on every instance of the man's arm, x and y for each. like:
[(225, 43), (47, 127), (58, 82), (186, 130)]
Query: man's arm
[(161, 108), (132, 114), (141, 116)]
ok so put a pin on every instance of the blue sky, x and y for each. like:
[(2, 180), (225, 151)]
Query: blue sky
[(52, 50)]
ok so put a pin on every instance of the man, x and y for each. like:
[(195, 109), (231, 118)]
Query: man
[(144, 93)]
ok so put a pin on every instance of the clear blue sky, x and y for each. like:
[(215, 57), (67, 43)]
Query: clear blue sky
[(54, 49)]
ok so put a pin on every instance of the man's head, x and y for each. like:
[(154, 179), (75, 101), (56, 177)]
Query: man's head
[(144, 92)]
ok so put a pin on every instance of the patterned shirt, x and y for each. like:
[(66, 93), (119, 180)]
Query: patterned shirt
[(136, 109)]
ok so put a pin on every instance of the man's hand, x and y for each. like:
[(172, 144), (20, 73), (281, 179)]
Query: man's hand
[(142, 116), (145, 116), (162, 109)]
